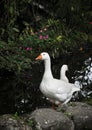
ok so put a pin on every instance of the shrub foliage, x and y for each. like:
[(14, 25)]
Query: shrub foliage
[(29, 27)]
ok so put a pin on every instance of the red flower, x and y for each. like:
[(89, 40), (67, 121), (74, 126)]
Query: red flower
[(90, 22), (40, 37), (28, 49), (45, 29), (47, 36), (41, 31)]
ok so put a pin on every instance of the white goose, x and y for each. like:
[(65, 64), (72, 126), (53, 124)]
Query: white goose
[(63, 70), (55, 89)]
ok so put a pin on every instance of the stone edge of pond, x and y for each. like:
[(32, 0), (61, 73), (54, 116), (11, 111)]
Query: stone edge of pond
[(75, 116)]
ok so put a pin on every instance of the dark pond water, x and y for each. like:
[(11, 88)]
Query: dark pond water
[(21, 94)]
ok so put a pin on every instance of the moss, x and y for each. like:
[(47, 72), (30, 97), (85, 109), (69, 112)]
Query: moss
[(32, 123), (69, 114), (88, 101)]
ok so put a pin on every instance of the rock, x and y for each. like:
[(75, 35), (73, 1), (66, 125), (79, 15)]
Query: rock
[(81, 115), (75, 116), (49, 119), (8, 122)]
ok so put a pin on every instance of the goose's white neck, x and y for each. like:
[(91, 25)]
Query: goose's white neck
[(63, 72), (47, 65)]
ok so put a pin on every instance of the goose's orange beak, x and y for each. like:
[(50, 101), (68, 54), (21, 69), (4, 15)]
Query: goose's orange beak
[(39, 57)]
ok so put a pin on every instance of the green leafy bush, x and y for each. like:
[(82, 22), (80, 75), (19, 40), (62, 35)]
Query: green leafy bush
[(12, 58), (54, 37), (28, 28)]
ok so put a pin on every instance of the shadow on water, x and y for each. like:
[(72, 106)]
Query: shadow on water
[(22, 93)]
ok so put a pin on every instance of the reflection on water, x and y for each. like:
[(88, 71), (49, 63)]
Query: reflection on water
[(22, 93)]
